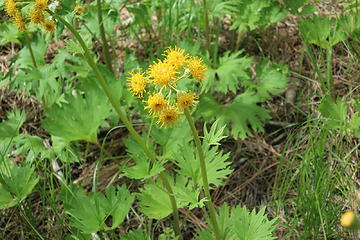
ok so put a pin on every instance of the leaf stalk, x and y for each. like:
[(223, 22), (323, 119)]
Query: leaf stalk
[(209, 203)]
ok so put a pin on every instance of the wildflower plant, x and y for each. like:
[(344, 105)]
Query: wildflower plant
[(175, 167)]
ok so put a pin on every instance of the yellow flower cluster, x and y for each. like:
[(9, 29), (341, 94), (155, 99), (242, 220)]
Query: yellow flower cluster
[(37, 15), (79, 10), (165, 101)]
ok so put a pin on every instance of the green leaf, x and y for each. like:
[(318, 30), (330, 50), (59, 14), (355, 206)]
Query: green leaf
[(334, 112), (143, 168), (254, 14), (231, 71), (44, 81), (216, 162), (10, 128), (30, 146), (298, 7), (8, 33), (135, 235), (243, 114), (271, 78), (251, 225), (171, 139), (89, 213), (16, 183), (215, 135), (81, 118), (355, 124), (39, 47), (240, 224), (155, 202), (322, 31)]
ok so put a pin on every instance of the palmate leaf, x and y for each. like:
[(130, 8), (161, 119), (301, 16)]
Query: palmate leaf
[(251, 225), (8, 33), (155, 202), (253, 14), (30, 146), (143, 168), (334, 112), (322, 31), (217, 165), (243, 114), (89, 212), (81, 118), (215, 135), (271, 79), (336, 115), (44, 81), (228, 75), (10, 128), (239, 224), (39, 46), (171, 139), (16, 183)]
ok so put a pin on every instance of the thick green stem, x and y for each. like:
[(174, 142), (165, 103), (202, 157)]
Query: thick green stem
[(209, 203), (105, 46), (207, 27), (121, 113), (27, 39)]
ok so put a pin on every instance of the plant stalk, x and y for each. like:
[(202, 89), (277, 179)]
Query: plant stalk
[(207, 27), (105, 46), (329, 70), (27, 39), (204, 176), (122, 115)]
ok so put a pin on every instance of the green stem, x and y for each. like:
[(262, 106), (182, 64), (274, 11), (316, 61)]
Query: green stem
[(105, 45), (329, 70), (204, 176), (207, 27), (121, 113), (27, 39)]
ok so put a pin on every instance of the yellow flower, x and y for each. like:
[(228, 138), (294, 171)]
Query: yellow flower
[(163, 73), (175, 56), (41, 5), (79, 9), (137, 83), (19, 22), (37, 16), (156, 103), (185, 100), (49, 25), (10, 6), (348, 218), (168, 116), (197, 69)]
